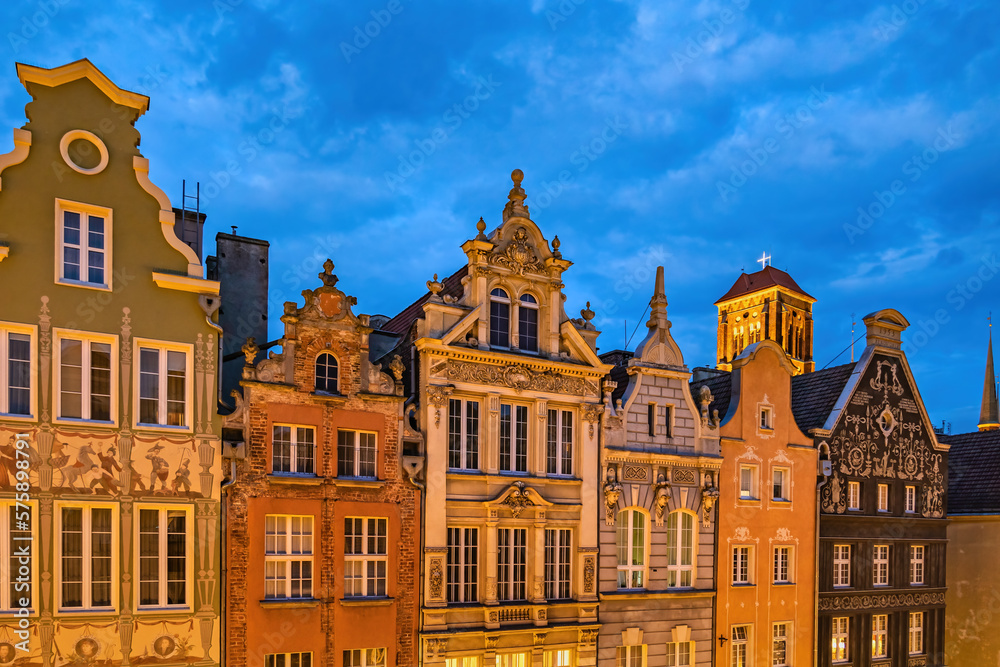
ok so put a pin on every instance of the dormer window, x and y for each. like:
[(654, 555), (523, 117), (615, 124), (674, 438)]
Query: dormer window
[(500, 318), (527, 324), (326, 373)]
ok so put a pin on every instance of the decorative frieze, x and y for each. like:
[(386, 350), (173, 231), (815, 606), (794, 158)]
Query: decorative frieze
[(884, 601), (515, 376)]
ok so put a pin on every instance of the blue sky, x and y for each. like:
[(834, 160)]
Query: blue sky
[(697, 135)]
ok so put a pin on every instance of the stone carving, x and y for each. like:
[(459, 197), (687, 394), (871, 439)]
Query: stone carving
[(436, 647), (517, 377), (662, 498), (918, 661), (588, 574), (588, 637), (492, 641), (884, 601), (592, 414), (437, 578), (783, 535), (379, 382), (612, 491), (397, 368), (270, 369), (518, 499), (519, 256), (709, 498), (742, 534), (494, 617), (438, 397), (705, 399), (684, 475), (539, 637), (634, 473)]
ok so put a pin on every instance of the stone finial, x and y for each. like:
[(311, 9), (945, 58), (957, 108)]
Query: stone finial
[(587, 314), (555, 247), (397, 368), (250, 350), (481, 227), (327, 276), (658, 346), (658, 304), (515, 198), (434, 287)]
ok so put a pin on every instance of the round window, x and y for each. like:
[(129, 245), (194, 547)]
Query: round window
[(84, 152)]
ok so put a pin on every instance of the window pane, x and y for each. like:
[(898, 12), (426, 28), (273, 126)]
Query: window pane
[(499, 324), (71, 378), (71, 227), (18, 374), (95, 239), (100, 381), (149, 386), (527, 327), (100, 559), (304, 448), (281, 449), (176, 387), (345, 453), (326, 373), (366, 455)]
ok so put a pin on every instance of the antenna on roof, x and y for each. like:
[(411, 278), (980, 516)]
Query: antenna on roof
[(853, 322)]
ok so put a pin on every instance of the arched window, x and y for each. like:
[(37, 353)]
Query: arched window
[(631, 549), (681, 549), (499, 318), (527, 324), (326, 373)]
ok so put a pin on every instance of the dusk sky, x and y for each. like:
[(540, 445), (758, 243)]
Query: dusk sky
[(697, 135)]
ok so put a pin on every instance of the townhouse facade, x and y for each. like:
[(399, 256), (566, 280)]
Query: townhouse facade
[(109, 435), (322, 522)]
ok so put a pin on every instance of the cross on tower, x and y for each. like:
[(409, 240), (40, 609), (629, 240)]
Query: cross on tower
[(765, 260)]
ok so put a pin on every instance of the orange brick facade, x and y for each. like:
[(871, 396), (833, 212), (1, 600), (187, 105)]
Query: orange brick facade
[(272, 609)]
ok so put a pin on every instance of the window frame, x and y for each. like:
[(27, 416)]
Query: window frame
[(163, 557), (741, 639), (883, 498), (271, 659), (910, 500), (512, 576), (627, 656), (62, 206), (675, 548), (8, 552), (915, 633), (917, 564), (789, 561), (674, 654), (293, 449), (558, 543), (336, 366), (786, 474), (504, 300), (87, 584), (367, 558), (854, 496), (189, 381), (630, 569), (7, 328), (561, 456), (785, 636), (288, 557), (516, 443), (533, 306), (881, 558), (766, 418), (513, 659), (465, 585), (554, 657), (356, 450), (742, 565), (840, 628), (841, 565), (753, 493), (880, 636), (463, 661), (86, 339), (468, 439)]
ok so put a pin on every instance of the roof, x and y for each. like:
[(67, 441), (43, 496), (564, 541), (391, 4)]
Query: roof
[(452, 286), (973, 472), (619, 372), (764, 279), (82, 69), (815, 394), (720, 383)]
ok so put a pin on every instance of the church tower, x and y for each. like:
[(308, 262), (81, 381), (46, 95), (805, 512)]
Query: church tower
[(989, 413), (766, 305)]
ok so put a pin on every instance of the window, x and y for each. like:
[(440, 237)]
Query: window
[(15, 523), (463, 434), (779, 485), (15, 372), (631, 656), (766, 423), (466, 661), (463, 564), (782, 558), (293, 449), (499, 318), (779, 645), (558, 554), (527, 324), (748, 482), (916, 638), (880, 565), (513, 438), (631, 549), (559, 658), (288, 556), (678, 654), (854, 495), (841, 565), (880, 644), (559, 443), (85, 554), (355, 454), (911, 499), (365, 556), (85, 379), (651, 418), (163, 557), (669, 421), (512, 558), (513, 660), (288, 660), (327, 373), (364, 657), (741, 565), (680, 549), (883, 497), (841, 638), (741, 636), (84, 245), (163, 386), (916, 565)]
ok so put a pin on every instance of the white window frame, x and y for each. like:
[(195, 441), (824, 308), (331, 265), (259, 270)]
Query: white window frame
[(679, 654), (365, 559), (785, 494), (293, 449), (740, 645), (854, 496), (766, 417), (11, 543), (558, 563), (742, 565), (781, 632), (677, 571), (880, 636), (357, 453), (840, 644), (286, 659), (86, 340), (784, 558), (365, 657), (189, 380), (283, 554), (85, 211), (631, 656), (883, 497), (559, 657), (87, 552), (162, 555), (512, 564), (463, 571), (562, 459), (915, 633), (841, 565), (626, 524), (469, 440), (880, 565), (517, 446), (917, 553), (910, 506), (752, 492), (7, 328)]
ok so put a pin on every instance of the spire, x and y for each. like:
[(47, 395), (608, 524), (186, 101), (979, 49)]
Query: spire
[(659, 347), (658, 304), (515, 199), (989, 413)]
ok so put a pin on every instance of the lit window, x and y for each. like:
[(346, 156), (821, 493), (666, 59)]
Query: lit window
[(513, 660), (512, 560), (163, 386), (916, 639), (15, 521), (499, 319), (880, 644), (527, 324), (680, 549), (854, 495), (513, 438), (559, 658), (465, 661), (86, 557), (293, 449), (84, 245), (782, 559), (766, 422), (911, 499), (355, 454), (779, 485), (841, 565), (15, 371), (85, 379), (327, 373), (558, 557), (779, 645), (880, 565), (365, 556), (463, 435), (741, 636), (288, 556), (883, 497), (916, 565), (288, 660), (559, 443), (163, 557), (840, 638), (364, 657), (631, 549), (631, 656), (678, 654), (741, 565), (463, 564), (748, 482)]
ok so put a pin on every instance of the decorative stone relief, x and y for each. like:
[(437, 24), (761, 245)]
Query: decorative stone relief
[(632, 472), (885, 601), (589, 571), (519, 255), (437, 578), (612, 491), (436, 647), (684, 475), (662, 498), (709, 498), (592, 414), (518, 500), (438, 397), (516, 377)]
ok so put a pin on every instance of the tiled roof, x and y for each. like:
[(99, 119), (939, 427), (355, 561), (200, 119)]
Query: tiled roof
[(815, 394), (973, 472), (401, 323), (721, 386), (755, 282), (619, 373)]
